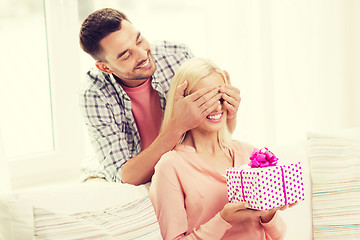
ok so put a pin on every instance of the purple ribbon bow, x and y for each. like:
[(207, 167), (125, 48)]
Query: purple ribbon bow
[(262, 158)]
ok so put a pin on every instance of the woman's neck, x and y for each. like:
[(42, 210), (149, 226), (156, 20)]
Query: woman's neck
[(208, 149), (202, 142)]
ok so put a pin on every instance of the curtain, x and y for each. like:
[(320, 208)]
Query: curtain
[(296, 64)]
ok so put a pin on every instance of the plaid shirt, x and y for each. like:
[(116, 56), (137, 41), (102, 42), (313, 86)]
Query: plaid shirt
[(108, 116)]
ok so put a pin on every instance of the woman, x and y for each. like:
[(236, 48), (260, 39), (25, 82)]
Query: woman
[(188, 189)]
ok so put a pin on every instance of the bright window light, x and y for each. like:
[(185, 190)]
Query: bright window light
[(26, 115)]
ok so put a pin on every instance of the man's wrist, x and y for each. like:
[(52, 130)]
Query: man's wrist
[(177, 128), (172, 133), (232, 117)]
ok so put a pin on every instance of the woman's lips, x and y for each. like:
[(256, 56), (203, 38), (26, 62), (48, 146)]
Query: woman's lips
[(215, 117)]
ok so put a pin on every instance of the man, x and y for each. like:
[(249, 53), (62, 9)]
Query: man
[(125, 96)]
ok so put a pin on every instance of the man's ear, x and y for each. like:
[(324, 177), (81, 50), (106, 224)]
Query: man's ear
[(103, 67)]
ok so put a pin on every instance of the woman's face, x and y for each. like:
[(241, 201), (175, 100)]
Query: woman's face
[(216, 119)]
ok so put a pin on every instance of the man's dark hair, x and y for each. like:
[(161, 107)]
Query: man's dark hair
[(98, 25)]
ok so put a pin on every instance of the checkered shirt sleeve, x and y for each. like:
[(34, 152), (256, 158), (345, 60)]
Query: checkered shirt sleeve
[(107, 111)]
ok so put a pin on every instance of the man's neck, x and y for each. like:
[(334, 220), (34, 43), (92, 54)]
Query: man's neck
[(130, 83)]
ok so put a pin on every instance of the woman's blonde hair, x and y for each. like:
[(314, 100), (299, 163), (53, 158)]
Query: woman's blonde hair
[(193, 71)]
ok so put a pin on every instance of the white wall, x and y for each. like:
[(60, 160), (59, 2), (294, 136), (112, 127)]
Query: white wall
[(295, 62)]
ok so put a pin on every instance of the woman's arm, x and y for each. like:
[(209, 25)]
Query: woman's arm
[(275, 229), (168, 200)]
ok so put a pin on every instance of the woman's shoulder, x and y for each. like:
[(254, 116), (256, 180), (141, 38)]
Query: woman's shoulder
[(242, 146), (167, 158), (171, 159), (243, 151), (177, 158)]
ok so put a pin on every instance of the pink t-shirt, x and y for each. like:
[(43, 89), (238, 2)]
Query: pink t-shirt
[(146, 108), (187, 195)]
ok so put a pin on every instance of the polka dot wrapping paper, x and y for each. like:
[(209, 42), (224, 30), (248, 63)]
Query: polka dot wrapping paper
[(266, 187)]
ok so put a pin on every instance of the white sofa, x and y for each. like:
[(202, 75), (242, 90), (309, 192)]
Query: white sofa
[(317, 217), (27, 213), (61, 203)]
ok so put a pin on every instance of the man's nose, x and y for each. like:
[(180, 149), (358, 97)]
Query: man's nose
[(142, 53)]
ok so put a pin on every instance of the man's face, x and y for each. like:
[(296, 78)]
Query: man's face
[(127, 55)]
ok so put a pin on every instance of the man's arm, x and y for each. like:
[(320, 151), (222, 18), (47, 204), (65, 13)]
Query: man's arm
[(189, 111), (139, 169), (107, 136)]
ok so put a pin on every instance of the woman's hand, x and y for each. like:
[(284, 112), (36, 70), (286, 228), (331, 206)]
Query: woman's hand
[(238, 212), (267, 215)]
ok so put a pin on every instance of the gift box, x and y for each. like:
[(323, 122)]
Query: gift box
[(264, 184)]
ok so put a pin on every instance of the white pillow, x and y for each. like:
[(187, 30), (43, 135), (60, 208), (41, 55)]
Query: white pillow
[(16, 219), (335, 164), (16, 210), (135, 220)]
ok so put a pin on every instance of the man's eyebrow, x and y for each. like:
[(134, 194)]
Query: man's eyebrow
[(123, 52)]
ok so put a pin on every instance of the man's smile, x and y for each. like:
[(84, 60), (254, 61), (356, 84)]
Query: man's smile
[(145, 65)]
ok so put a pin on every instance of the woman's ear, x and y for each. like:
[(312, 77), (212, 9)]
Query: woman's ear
[(103, 67)]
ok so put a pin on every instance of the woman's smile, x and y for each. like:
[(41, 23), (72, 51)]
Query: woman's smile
[(215, 117)]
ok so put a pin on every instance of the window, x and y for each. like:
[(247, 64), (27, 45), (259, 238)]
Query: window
[(40, 129), (26, 122)]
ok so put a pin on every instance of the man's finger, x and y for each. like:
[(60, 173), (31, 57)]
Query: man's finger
[(229, 107), (204, 93), (207, 110), (230, 99), (181, 90), (207, 100), (227, 88)]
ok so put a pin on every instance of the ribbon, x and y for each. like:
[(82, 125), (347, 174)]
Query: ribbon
[(237, 189), (242, 185), (283, 179), (262, 158)]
